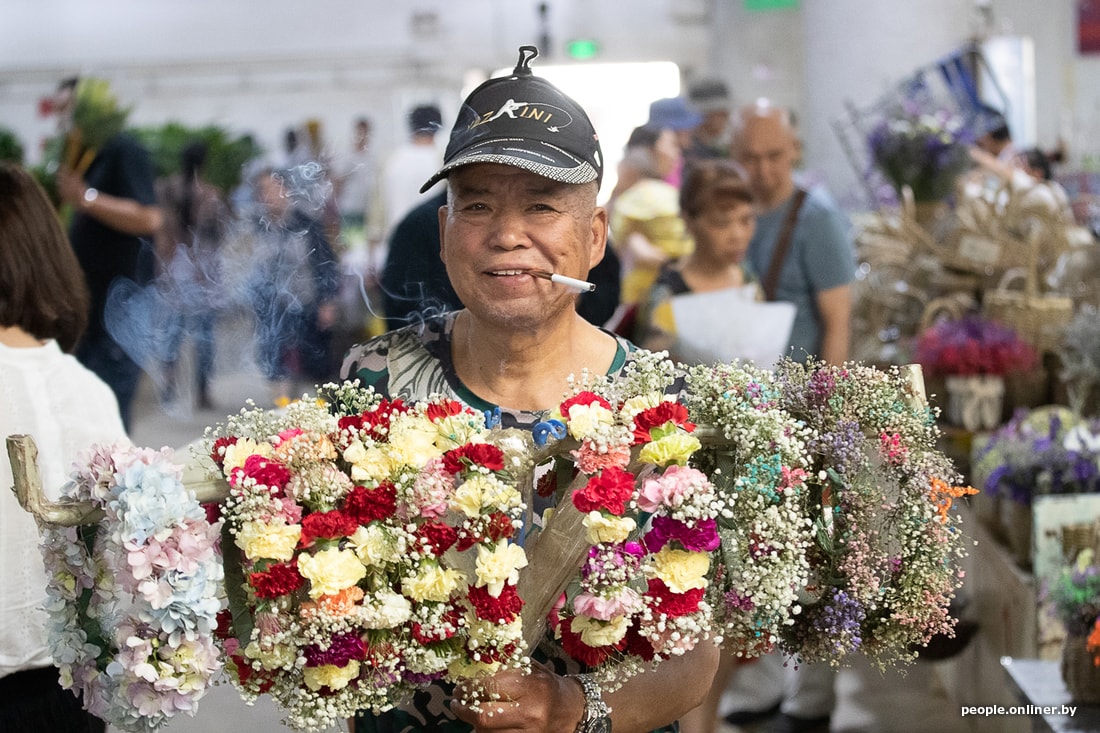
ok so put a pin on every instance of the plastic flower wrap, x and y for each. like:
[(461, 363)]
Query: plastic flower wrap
[(377, 552), (925, 151), (973, 345), (133, 601), (1049, 450)]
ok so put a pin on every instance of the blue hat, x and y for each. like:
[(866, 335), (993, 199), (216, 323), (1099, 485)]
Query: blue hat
[(673, 113)]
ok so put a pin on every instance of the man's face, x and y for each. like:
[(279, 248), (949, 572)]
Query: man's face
[(501, 222), (767, 150)]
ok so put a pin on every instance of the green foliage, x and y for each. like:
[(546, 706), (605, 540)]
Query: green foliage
[(225, 159), (10, 147)]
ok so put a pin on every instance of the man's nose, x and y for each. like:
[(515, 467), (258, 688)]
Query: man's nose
[(509, 230)]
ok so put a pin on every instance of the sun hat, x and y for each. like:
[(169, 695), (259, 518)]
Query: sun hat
[(673, 113), (524, 121)]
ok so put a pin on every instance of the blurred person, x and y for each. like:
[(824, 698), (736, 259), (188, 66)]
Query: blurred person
[(676, 114), (717, 209), (196, 219), (521, 196), (711, 137), (646, 228), (114, 216), (817, 268), (293, 287), (1029, 178), (355, 178), (50, 396)]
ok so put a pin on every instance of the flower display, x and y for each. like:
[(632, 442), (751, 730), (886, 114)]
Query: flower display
[(1074, 596), (133, 601), (973, 345), (376, 552), (922, 150), (1048, 450), (861, 539)]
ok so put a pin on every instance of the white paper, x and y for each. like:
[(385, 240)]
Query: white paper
[(723, 325)]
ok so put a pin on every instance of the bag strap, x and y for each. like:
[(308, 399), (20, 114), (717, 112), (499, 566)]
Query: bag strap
[(782, 244)]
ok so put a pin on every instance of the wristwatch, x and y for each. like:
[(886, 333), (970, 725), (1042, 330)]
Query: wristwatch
[(90, 195), (597, 715)]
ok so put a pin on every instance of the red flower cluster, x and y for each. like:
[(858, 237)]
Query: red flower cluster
[(279, 579), (217, 451), (438, 632), (674, 604), (374, 423), (447, 408), (610, 489), (264, 471), (473, 454), (658, 416), (497, 527), (367, 505), (502, 609), (439, 536), (591, 656), (327, 526), (583, 398)]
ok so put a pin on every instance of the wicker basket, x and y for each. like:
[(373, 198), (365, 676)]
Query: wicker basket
[(1079, 671), (1038, 319)]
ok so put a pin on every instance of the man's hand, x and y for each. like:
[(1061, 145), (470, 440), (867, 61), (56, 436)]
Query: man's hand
[(70, 186), (539, 702)]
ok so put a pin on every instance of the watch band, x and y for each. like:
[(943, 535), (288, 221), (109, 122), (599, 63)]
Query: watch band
[(597, 714)]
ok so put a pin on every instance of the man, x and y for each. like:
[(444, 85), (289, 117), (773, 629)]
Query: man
[(815, 274), (355, 180), (114, 208), (521, 196), (404, 169), (710, 138), (817, 270)]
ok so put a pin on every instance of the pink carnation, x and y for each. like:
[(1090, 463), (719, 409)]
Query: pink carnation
[(605, 609), (591, 460), (669, 488)]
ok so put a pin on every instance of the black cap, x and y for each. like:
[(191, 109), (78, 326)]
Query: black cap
[(524, 121)]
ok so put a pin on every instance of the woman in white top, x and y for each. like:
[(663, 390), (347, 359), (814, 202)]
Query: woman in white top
[(47, 394)]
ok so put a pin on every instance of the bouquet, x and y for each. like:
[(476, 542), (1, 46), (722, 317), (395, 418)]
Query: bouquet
[(1049, 450), (973, 345), (133, 601), (925, 151), (859, 501)]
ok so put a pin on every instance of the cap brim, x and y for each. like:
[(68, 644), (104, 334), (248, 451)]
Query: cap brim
[(536, 156)]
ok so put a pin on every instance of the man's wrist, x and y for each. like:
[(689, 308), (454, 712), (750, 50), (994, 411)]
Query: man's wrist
[(596, 717), (88, 197)]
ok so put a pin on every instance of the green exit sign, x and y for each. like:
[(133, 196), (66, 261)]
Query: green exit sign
[(582, 48), (770, 4)]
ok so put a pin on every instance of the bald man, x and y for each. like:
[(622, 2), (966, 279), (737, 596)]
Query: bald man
[(819, 265)]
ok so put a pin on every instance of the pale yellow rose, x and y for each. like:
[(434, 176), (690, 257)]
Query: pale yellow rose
[(595, 632), (641, 403), (274, 541), (585, 419), (607, 528), (375, 546), (676, 448), (499, 565), (369, 464), (331, 571), (412, 440), (238, 453), (481, 492), (277, 656), (330, 676), (682, 570), (432, 583)]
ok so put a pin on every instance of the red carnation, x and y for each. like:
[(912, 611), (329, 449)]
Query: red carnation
[(265, 471), (279, 579), (583, 398), (674, 604), (438, 535), (217, 451), (639, 645), (499, 610), (367, 505), (477, 454), (500, 527), (610, 489), (439, 410), (445, 629), (547, 483), (492, 654), (591, 656), (655, 417), (326, 526)]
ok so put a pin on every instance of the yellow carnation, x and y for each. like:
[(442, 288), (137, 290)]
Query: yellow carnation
[(455, 430), (595, 632), (276, 656), (368, 464), (607, 528), (412, 440), (432, 583), (330, 676), (585, 419), (682, 570), (375, 545), (331, 571), (499, 565), (275, 541), (641, 403), (483, 492), (676, 448), (238, 453)]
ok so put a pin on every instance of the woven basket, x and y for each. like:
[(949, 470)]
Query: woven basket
[(1038, 319), (1079, 671)]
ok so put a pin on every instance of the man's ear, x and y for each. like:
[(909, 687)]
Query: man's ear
[(599, 236), (442, 214)]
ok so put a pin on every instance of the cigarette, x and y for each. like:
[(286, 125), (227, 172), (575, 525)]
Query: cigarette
[(570, 282)]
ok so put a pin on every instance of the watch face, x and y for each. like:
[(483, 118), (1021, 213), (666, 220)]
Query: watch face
[(600, 725)]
